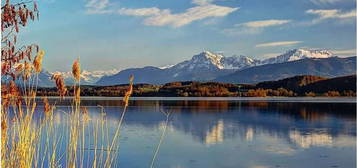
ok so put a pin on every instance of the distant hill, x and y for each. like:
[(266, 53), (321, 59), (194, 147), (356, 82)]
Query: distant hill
[(335, 84), (293, 83), (326, 67), (307, 83), (147, 74)]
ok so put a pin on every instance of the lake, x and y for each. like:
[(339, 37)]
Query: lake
[(224, 132)]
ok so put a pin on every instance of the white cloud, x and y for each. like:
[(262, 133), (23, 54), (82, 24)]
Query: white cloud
[(97, 6), (254, 27), (142, 11), (351, 52), (323, 2), (159, 17), (264, 23), (190, 15), (278, 43), (323, 14)]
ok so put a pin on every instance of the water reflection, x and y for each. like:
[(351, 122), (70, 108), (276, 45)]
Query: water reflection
[(263, 133), (311, 139), (213, 121), (216, 134), (249, 134)]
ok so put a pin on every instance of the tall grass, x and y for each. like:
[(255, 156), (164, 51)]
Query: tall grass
[(27, 143)]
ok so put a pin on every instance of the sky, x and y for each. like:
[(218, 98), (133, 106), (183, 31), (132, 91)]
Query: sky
[(108, 34)]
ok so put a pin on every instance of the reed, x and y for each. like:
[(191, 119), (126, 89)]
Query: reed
[(37, 63), (26, 142), (167, 114)]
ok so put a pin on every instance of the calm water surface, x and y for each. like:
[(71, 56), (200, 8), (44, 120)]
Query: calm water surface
[(228, 132)]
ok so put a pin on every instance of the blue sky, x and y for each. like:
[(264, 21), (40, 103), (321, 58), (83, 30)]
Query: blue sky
[(109, 34)]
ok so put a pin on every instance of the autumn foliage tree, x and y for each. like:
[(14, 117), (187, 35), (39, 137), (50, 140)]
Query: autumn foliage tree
[(15, 16)]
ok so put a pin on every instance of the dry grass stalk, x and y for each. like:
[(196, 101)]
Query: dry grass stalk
[(60, 84), (110, 158), (13, 90), (129, 91), (76, 70), (46, 107), (19, 68), (27, 71), (77, 94), (3, 137), (37, 63), (85, 114)]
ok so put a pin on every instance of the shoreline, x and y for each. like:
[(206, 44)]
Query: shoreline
[(245, 99)]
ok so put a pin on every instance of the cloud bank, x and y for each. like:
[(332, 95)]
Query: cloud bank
[(161, 17)]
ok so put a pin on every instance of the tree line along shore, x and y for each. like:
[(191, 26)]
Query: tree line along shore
[(305, 85)]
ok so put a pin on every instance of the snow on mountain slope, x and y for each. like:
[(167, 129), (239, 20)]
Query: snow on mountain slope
[(207, 64), (206, 60), (167, 66), (209, 60), (87, 77), (297, 54), (238, 62)]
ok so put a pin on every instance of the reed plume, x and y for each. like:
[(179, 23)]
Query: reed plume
[(76, 70), (3, 127), (5, 96), (19, 68), (60, 84), (13, 90), (27, 71), (129, 91), (37, 63), (46, 107)]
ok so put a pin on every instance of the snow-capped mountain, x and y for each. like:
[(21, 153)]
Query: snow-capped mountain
[(239, 62), (210, 60), (87, 77), (205, 60), (206, 66), (297, 54), (44, 79)]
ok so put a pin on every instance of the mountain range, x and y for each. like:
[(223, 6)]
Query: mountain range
[(325, 67), (209, 66)]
